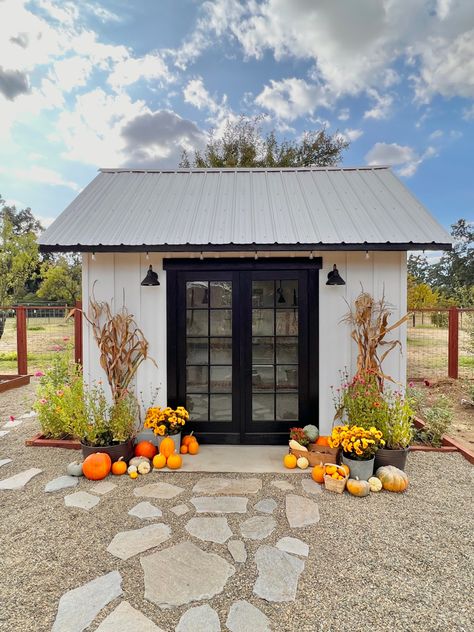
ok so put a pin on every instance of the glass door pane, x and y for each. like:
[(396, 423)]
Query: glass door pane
[(275, 361), (209, 350)]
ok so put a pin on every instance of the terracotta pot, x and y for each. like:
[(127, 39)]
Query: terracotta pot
[(384, 456), (124, 450)]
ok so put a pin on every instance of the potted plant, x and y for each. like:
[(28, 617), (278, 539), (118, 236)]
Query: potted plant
[(166, 422), (359, 446), (395, 423), (105, 427)]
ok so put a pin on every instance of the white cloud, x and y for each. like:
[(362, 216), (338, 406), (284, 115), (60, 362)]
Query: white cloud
[(148, 68), (290, 98), (438, 133), (196, 94), (381, 108), (468, 113), (40, 175), (402, 156), (351, 134), (72, 72), (344, 114)]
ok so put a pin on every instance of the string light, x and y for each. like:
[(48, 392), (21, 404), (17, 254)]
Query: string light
[(93, 256)]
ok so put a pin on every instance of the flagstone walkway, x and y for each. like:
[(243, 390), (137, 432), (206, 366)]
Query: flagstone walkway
[(186, 552)]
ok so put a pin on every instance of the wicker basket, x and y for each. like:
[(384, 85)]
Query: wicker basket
[(318, 454), (333, 485)]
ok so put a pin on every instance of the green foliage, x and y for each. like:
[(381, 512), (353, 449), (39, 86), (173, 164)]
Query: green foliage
[(438, 418), (60, 401), (244, 145), (61, 280), (420, 295), (396, 420), (440, 319)]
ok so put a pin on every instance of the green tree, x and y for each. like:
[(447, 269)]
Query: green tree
[(243, 144), (61, 280)]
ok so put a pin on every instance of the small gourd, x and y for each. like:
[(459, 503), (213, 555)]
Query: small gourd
[(174, 461), (289, 461), (375, 484), (294, 445), (393, 479), (136, 460), (131, 469), (311, 432), (75, 469), (358, 488), (119, 467), (302, 462), (144, 467), (159, 461)]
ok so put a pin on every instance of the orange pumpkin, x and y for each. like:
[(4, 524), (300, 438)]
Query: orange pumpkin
[(119, 467), (167, 447), (289, 461), (174, 461), (159, 461), (97, 466), (317, 473), (358, 488), (393, 479), (193, 447), (322, 440), (184, 449), (346, 468), (145, 448), (187, 439)]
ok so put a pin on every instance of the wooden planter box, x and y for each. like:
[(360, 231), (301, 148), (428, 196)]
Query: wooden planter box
[(8, 382), (448, 445), (40, 440), (318, 454)]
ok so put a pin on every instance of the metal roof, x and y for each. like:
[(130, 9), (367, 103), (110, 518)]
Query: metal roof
[(241, 209)]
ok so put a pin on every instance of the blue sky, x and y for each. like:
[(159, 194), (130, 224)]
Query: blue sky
[(92, 84)]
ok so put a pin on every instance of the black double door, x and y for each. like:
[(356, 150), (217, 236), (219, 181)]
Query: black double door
[(242, 350)]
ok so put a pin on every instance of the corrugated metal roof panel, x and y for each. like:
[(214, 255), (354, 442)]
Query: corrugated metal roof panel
[(244, 207)]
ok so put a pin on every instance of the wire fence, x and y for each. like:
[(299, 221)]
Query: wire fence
[(31, 335), (441, 344)]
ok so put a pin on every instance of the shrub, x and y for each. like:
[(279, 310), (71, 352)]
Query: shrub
[(438, 418)]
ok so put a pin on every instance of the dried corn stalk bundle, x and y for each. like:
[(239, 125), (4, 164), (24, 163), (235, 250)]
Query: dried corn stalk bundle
[(369, 320), (122, 344)]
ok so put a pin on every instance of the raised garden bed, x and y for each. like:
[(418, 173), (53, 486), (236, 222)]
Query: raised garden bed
[(40, 440), (448, 445), (8, 382)]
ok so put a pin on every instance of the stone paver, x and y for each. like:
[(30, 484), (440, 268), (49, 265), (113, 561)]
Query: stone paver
[(80, 606), (310, 486), (244, 617), (180, 510), (267, 505), (220, 504), (18, 481), (104, 487), (199, 619), (126, 544), (278, 574), (237, 550), (205, 574), (5, 461), (82, 500), (293, 546), (301, 511), (284, 486), (145, 510), (127, 619), (258, 527), (61, 482), (228, 486), (158, 490), (209, 529)]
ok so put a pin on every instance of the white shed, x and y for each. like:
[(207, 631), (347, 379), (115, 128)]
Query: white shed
[(244, 328)]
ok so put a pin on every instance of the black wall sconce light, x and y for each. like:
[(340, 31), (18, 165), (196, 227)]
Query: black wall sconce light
[(151, 278), (334, 278)]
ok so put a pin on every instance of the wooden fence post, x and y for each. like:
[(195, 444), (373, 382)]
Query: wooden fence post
[(453, 343), (78, 333), (21, 341)]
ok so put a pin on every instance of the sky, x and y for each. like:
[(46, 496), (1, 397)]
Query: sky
[(117, 83)]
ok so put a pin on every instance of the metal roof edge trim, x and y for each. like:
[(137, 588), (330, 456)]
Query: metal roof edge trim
[(240, 169), (388, 246)]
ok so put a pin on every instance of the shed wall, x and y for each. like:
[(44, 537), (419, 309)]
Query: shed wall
[(116, 277)]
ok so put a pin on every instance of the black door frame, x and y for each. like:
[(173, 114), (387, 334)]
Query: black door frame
[(176, 270)]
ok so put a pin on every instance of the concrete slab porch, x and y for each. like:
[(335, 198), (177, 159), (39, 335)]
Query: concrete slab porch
[(248, 459)]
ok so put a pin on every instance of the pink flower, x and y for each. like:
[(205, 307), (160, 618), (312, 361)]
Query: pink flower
[(66, 338), (57, 348), (411, 384), (39, 374), (43, 401), (59, 393)]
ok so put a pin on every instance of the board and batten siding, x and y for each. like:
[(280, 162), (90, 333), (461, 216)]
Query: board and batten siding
[(116, 277)]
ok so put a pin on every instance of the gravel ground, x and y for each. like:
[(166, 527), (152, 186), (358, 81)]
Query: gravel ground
[(385, 562)]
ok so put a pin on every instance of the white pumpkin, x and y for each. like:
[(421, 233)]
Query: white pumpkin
[(75, 469), (144, 467), (136, 460), (132, 468), (375, 484), (302, 462)]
